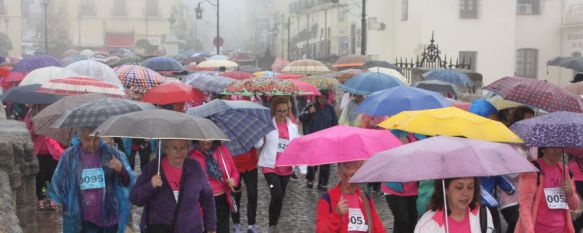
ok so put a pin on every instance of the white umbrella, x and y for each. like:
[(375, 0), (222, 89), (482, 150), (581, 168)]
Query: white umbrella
[(95, 70)]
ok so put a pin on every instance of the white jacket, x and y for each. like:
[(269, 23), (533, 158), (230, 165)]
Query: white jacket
[(433, 222), (269, 144)]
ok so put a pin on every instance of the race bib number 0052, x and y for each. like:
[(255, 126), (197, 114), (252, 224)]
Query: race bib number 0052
[(555, 198), (281, 145)]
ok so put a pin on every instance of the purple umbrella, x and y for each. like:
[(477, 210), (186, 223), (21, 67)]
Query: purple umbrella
[(34, 62), (442, 157), (557, 129)]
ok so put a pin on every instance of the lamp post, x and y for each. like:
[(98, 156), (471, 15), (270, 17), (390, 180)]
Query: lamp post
[(199, 11), (274, 32), (45, 4), (363, 29)]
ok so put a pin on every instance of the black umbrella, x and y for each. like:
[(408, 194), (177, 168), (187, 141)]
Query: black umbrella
[(574, 63), (27, 95), (384, 64)]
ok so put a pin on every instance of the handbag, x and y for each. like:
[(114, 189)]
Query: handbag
[(165, 228)]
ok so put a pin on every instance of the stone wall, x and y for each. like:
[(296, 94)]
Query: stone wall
[(18, 168)]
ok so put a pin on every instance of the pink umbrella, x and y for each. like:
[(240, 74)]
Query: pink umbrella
[(442, 157), (306, 88), (336, 145)]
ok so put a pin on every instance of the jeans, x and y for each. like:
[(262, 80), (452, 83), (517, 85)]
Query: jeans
[(322, 177), (404, 209), (47, 166), (250, 179), (89, 227), (222, 207), (277, 185), (510, 214)]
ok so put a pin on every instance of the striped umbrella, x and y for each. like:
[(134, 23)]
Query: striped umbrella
[(163, 64), (133, 76), (217, 64), (351, 61), (81, 85), (305, 66), (43, 75)]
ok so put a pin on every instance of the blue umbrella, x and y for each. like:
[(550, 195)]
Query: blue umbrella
[(449, 76), (482, 107), (370, 82), (208, 81), (244, 122), (397, 99), (163, 64), (384, 64), (27, 94)]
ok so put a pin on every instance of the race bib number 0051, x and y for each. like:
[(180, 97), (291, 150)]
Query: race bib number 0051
[(92, 178), (555, 198)]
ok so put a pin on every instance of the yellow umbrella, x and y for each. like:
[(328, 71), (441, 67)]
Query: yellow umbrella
[(451, 121), (501, 103), (218, 64)]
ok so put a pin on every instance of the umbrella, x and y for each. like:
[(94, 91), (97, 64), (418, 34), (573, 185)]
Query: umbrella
[(442, 157), (391, 72), (46, 117), (262, 86), (321, 82), (237, 75), (557, 129), (344, 75), (96, 112), (249, 69), (394, 100), (305, 66), (163, 64), (80, 85), (439, 86), (351, 61), (575, 88), (5, 71), (208, 82), (137, 76), (370, 82), (336, 145), (500, 103), (451, 121), (306, 88), (27, 65), (289, 76), (383, 64), (27, 95), (218, 57), (537, 93), (43, 75), (449, 76), (217, 64), (244, 122), (95, 70), (265, 74), (169, 93), (574, 63)]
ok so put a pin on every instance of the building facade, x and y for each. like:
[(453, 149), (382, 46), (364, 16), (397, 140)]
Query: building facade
[(11, 25)]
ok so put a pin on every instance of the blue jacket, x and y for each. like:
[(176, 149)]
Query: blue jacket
[(323, 118), (489, 185)]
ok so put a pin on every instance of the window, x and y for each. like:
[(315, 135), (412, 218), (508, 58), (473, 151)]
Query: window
[(404, 10), (152, 8), (468, 57), (528, 7), (87, 8), (469, 9), (526, 62), (2, 10), (119, 8)]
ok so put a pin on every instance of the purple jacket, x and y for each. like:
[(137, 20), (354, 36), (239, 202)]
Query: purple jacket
[(160, 203)]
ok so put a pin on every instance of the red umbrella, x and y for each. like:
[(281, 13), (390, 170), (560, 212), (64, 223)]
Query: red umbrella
[(237, 75), (169, 93), (306, 88), (79, 86), (289, 76), (5, 70)]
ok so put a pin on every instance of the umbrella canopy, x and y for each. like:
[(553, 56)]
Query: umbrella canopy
[(574, 63), (5, 71), (557, 129), (237, 75), (321, 82), (28, 94), (27, 65), (43, 75), (219, 57), (391, 72), (305, 88), (370, 82), (451, 121), (163, 64), (289, 76), (439, 86), (95, 70), (171, 92), (161, 124), (244, 122), (265, 74), (46, 117), (305, 66), (96, 112), (135, 76), (208, 82), (537, 93), (336, 145), (394, 100), (351, 61), (442, 157), (262, 86), (449, 76), (218, 64), (79, 86), (500, 103), (249, 69), (383, 64), (575, 88), (344, 75)]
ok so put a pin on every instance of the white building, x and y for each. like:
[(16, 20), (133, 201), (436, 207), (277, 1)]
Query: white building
[(571, 35)]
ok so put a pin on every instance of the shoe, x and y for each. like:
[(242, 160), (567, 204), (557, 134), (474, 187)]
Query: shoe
[(310, 184), (252, 229), (236, 228), (322, 188), (293, 177), (51, 205), (272, 229), (40, 205)]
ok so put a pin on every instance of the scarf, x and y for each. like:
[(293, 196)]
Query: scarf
[(212, 165)]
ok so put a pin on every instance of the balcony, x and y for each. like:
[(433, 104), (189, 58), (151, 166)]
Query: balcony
[(574, 14)]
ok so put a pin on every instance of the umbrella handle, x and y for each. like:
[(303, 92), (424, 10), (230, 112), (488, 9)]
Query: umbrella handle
[(159, 154), (445, 206), (226, 170)]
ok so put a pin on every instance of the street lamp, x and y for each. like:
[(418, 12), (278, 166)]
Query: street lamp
[(274, 32), (199, 11), (363, 29), (45, 5)]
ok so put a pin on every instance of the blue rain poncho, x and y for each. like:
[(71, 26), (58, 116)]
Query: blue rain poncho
[(65, 190)]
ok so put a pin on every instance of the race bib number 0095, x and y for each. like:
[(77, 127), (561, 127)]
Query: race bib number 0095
[(92, 178)]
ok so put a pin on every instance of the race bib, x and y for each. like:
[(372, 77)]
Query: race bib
[(92, 178), (356, 221), (281, 145), (176, 195), (555, 198)]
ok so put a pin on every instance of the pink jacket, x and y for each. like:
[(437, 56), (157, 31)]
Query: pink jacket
[(43, 144), (529, 200)]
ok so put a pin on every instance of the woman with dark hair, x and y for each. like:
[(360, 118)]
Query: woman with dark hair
[(463, 205)]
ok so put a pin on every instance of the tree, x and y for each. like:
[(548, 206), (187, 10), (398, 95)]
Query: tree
[(5, 44)]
